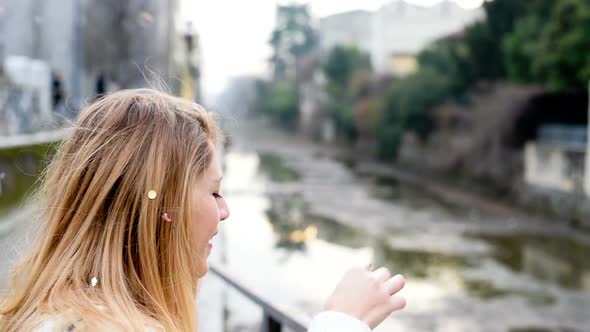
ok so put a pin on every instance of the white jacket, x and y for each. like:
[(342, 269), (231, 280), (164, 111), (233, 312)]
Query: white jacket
[(332, 321), (327, 321)]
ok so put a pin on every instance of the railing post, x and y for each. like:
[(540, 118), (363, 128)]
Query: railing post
[(274, 318), (269, 324)]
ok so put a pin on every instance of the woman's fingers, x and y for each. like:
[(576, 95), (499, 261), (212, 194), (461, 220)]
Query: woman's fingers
[(367, 295), (379, 313), (397, 302), (381, 274), (395, 284), (391, 302)]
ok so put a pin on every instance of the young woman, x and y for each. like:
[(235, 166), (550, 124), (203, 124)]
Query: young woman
[(130, 203)]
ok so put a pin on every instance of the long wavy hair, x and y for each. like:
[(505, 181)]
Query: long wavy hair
[(98, 221)]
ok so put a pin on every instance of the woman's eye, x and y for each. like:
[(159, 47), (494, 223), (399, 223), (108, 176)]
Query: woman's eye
[(217, 196)]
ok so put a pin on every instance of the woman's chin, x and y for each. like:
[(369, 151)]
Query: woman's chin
[(203, 268), (203, 271)]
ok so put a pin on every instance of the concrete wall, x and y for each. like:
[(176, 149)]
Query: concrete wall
[(553, 167)]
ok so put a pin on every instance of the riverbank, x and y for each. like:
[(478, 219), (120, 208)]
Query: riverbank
[(507, 217), (312, 213)]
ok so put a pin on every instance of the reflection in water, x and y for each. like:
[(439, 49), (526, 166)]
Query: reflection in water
[(274, 167), (331, 231), (485, 289), (295, 227), (445, 281), (560, 261), (286, 215), (391, 189), (422, 264), (557, 260)]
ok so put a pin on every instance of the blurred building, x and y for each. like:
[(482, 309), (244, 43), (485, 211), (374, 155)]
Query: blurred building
[(25, 95), (93, 45), (351, 29), (402, 64), (239, 97), (394, 34), (187, 64), (403, 28), (128, 43)]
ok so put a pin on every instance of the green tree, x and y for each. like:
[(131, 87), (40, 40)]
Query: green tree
[(279, 100), (551, 45), (348, 72), (478, 54), (450, 58), (292, 37), (563, 61), (484, 39), (408, 106), (342, 63), (502, 15), (521, 47)]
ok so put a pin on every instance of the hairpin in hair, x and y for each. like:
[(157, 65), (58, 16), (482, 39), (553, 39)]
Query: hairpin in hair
[(94, 281), (165, 216), (152, 194)]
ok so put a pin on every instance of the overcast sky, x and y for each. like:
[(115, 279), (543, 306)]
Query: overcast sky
[(234, 33)]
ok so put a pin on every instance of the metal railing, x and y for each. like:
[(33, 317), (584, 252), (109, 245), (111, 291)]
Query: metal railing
[(274, 318)]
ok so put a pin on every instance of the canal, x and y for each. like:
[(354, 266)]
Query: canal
[(300, 218)]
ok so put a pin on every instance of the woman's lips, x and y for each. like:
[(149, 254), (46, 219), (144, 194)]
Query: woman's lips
[(209, 245)]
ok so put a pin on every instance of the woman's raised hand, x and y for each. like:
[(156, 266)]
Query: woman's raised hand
[(369, 296)]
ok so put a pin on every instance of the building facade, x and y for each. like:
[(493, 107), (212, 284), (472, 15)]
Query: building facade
[(85, 41), (396, 32)]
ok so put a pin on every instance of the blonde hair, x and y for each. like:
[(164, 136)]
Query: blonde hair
[(98, 220)]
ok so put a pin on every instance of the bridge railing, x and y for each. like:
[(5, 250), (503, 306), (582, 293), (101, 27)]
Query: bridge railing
[(274, 318)]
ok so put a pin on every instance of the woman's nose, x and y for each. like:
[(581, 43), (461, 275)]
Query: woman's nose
[(223, 210)]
